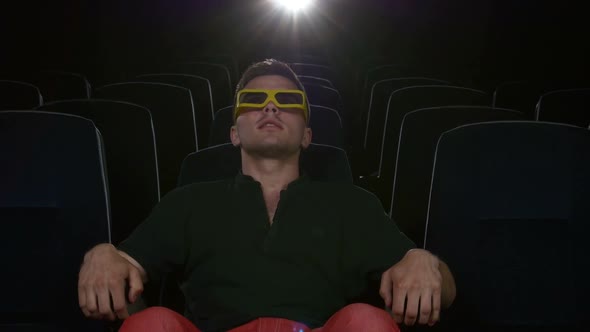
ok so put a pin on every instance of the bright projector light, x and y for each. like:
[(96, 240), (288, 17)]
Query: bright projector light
[(294, 5)]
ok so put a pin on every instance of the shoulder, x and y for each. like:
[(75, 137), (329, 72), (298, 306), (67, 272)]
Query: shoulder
[(200, 190), (209, 185), (342, 193)]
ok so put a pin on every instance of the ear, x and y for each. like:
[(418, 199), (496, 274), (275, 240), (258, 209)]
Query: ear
[(234, 135), (306, 140)]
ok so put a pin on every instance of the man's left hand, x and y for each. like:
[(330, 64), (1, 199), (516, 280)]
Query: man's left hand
[(417, 280)]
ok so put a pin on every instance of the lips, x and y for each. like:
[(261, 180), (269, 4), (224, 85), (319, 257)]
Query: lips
[(270, 123)]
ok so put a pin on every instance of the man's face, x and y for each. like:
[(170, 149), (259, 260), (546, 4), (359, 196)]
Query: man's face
[(271, 132)]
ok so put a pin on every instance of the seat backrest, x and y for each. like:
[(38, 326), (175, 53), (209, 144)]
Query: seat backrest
[(130, 151), (222, 122), (372, 73), (201, 92), (412, 98), (374, 116), (58, 85), (317, 80), (326, 126), (509, 214), (412, 172), (218, 75), (173, 116), (521, 96), (323, 96), (226, 60), (320, 162), (54, 207), (18, 95), (375, 73), (309, 69), (571, 106)]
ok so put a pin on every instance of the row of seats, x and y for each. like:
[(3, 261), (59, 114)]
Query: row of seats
[(381, 103), (379, 82), (146, 144), (169, 96), (507, 200), (54, 206), (169, 106), (207, 93), (508, 212), (143, 154), (391, 98), (58, 187)]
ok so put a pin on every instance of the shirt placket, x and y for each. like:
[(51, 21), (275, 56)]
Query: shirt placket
[(273, 229)]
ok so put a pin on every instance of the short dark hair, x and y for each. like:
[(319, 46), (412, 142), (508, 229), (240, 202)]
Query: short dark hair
[(269, 67)]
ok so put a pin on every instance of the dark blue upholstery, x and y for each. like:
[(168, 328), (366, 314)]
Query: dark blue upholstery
[(227, 60), (174, 126), (412, 98), (519, 95), (509, 214), (326, 126), (220, 128), (59, 85), (373, 116), (218, 75), (406, 177), (317, 80), (130, 152), (201, 92), (18, 95), (310, 69), (570, 106), (318, 94), (53, 208), (320, 162)]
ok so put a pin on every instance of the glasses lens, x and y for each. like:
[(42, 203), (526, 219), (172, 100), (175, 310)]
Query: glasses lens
[(252, 97), (289, 98)]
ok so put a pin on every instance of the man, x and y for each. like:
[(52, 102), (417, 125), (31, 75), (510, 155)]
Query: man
[(269, 250)]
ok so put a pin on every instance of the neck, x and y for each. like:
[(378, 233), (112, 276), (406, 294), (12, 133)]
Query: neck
[(273, 174)]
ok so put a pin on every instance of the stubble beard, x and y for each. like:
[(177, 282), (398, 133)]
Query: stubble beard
[(271, 151)]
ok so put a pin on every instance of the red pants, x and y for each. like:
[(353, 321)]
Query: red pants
[(356, 317)]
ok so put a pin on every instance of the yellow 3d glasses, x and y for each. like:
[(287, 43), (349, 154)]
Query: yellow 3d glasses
[(259, 98)]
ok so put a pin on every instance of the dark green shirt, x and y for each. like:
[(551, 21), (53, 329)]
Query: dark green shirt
[(326, 243)]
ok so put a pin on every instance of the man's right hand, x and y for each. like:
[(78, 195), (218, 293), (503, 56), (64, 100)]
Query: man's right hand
[(102, 278)]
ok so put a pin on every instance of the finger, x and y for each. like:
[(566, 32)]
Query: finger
[(82, 300), (118, 296), (398, 304), (91, 303), (81, 294), (412, 307), (425, 308), (104, 303), (436, 300), (135, 284), (86, 312), (97, 315), (385, 289)]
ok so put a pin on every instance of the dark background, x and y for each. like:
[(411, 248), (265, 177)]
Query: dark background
[(482, 42)]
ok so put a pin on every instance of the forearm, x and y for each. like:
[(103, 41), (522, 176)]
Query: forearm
[(448, 289)]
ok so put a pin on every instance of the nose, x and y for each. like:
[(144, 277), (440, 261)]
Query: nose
[(271, 107)]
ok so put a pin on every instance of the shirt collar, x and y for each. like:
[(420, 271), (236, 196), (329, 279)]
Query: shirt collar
[(242, 180)]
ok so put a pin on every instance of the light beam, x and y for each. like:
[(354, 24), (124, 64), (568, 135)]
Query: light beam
[(294, 5)]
